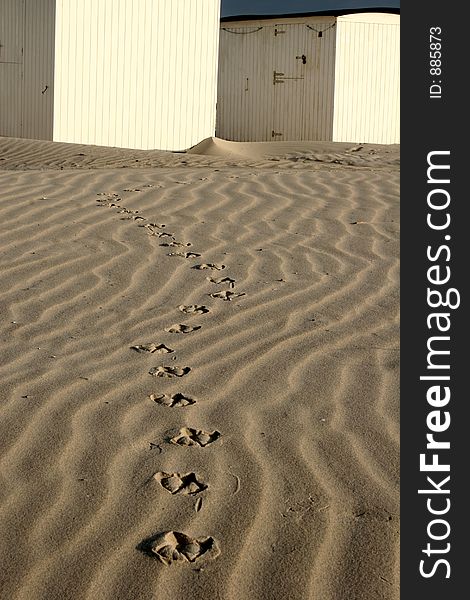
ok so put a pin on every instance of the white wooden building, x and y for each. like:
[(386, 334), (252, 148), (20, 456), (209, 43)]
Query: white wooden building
[(128, 73), (324, 78)]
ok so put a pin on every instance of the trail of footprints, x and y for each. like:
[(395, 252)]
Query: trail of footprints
[(174, 546)]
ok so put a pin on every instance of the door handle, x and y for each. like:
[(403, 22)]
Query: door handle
[(303, 58)]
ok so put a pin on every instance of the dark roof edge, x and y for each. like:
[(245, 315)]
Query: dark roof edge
[(323, 13)]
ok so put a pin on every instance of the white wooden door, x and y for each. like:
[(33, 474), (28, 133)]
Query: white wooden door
[(276, 81), (288, 80), (11, 66), (320, 44), (303, 81), (245, 90)]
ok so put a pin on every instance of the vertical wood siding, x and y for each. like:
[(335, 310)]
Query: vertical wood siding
[(11, 66), (245, 95), (350, 89), (319, 93), (367, 89), (136, 73), (299, 106), (38, 83)]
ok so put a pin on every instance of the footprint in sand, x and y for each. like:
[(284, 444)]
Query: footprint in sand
[(172, 400), (169, 371), (193, 309), (109, 204), (128, 211), (175, 483), (173, 546), (219, 280), (133, 218), (153, 225), (151, 228), (187, 436), (184, 254), (181, 328), (107, 196), (213, 266), (158, 225), (174, 243), (157, 348), (227, 295)]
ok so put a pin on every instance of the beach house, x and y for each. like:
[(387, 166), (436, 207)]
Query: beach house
[(129, 73), (309, 70)]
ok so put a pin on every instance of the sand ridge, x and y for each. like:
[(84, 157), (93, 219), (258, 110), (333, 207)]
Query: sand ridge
[(170, 431)]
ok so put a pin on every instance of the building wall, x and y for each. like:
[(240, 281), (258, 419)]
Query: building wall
[(297, 103), (136, 73), (367, 87), (349, 89)]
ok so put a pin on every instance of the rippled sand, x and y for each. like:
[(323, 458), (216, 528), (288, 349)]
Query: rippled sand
[(237, 421)]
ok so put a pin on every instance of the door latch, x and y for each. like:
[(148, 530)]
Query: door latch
[(303, 58)]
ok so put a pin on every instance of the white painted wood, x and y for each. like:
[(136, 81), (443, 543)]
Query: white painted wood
[(297, 103), (348, 89), (11, 66), (129, 73), (38, 72), (136, 73), (320, 77), (290, 78), (245, 89), (11, 88), (11, 31), (367, 91)]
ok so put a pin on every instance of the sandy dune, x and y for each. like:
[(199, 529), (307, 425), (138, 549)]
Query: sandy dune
[(153, 449)]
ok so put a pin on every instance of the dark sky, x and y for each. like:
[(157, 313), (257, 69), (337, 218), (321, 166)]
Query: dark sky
[(273, 7)]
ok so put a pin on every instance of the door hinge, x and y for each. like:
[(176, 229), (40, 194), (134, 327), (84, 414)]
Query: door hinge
[(275, 133), (279, 31)]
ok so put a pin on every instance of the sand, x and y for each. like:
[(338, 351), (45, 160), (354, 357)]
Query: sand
[(216, 420)]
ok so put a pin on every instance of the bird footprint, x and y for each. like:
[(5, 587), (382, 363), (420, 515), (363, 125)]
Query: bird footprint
[(182, 328), (175, 483), (188, 436), (219, 280), (227, 295), (213, 266), (169, 371), (157, 348), (185, 254), (174, 546), (192, 309), (172, 400)]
